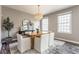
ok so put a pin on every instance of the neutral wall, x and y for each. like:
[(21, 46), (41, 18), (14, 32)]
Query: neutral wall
[(16, 17), (0, 27), (75, 24)]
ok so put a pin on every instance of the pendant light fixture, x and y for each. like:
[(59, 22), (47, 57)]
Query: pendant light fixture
[(38, 15)]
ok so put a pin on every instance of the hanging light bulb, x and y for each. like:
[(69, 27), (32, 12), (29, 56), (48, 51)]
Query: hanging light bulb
[(38, 16)]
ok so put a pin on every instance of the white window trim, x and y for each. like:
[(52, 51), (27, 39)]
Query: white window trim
[(64, 13), (70, 22), (47, 25)]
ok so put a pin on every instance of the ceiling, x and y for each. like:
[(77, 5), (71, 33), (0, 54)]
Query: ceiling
[(45, 9)]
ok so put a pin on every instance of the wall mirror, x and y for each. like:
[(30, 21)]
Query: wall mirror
[(27, 25)]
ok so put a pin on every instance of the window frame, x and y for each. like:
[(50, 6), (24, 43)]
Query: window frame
[(70, 23), (36, 23), (42, 25)]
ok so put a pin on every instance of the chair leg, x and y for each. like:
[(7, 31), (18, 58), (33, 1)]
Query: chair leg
[(5, 49)]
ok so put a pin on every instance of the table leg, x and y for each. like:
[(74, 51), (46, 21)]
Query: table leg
[(32, 43)]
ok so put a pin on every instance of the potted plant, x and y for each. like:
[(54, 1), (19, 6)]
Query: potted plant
[(7, 25)]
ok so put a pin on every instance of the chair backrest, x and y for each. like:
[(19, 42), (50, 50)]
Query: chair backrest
[(19, 37), (52, 35), (51, 40), (44, 42), (44, 36), (23, 43)]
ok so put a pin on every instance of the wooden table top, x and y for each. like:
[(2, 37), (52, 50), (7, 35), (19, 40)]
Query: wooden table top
[(35, 34)]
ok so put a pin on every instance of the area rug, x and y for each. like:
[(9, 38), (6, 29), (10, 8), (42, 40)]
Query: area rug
[(60, 48)]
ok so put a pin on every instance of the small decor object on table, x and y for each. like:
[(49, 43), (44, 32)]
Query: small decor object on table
[(37, 30)]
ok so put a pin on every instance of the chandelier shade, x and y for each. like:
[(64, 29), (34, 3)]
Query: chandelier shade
[(39, 15)]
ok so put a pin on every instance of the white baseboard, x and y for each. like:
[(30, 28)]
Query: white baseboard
[(67, 40)]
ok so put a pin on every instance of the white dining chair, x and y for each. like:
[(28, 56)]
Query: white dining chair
[(41, 44), (24, 43), (51, 39)]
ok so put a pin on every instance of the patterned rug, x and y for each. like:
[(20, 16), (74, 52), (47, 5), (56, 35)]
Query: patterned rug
[(67, 48), (60, 48)]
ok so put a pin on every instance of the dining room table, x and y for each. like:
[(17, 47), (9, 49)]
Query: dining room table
[(33, 35)]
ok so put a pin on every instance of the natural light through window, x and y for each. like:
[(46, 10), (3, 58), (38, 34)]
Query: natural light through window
[(37, 25), (45, 25), (64, 23)]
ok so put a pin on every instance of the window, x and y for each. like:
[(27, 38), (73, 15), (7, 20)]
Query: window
[(64, 23), (37, 25), (45, 25)]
